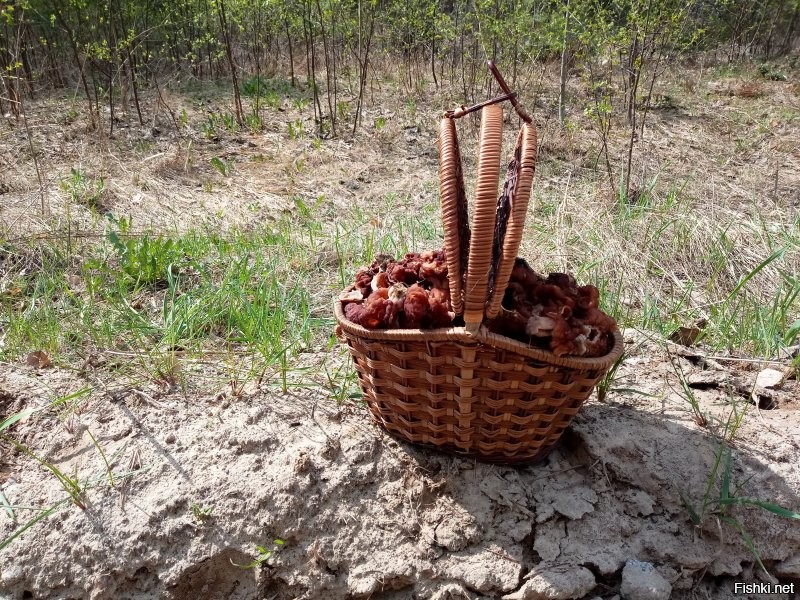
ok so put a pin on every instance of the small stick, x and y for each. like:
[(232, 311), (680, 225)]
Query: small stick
[(134, 464), (465, 110), (151, 401), (504, 86)]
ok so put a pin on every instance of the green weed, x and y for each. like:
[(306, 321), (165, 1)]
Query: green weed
[(263, 555), (253, 122), (681, 264), (722, 503), (83, 189), (224, 167), (296, 129), (145, 260), (70, 483), (300, 103), (200, 513), (687, 392), (255, 86)]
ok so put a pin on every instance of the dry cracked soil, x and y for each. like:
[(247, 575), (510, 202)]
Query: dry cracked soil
[(361, 515)]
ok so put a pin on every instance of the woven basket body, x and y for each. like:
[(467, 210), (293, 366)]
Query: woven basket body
[(485, 396), (466, 390)]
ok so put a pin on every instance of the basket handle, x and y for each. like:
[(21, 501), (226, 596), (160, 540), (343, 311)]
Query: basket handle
[(455, 216), (518, 189), (479, 262)]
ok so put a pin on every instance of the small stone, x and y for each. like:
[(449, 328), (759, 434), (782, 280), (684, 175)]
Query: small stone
[(457, 531), (555, 583), (481, 570), (547, 542), (769, 379), (641, 581), (170, 439)]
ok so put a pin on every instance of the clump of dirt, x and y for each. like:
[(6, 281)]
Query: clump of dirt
[(362, 515)]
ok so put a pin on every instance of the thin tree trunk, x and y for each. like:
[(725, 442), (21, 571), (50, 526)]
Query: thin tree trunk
[(291, 53), (208, 43), (55, 68), (363, 65), (787, 40), (237, 98), (134, 85), (310, 44), (78, 62), (562, 88), (331, 108)]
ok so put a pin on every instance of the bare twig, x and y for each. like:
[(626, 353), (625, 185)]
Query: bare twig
[(150, 400), (504, 86), (465, 110), (134, 464)]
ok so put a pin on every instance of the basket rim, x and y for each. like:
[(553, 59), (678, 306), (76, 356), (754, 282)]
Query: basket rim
[(482, 336)]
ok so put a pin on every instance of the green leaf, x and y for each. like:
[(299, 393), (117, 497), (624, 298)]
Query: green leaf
[(8, 508), (748, 541), (45, 513), (692, 512), (768, 506), (726, 478), (16, 417), (772, 257), (792, 332), (219, 166)]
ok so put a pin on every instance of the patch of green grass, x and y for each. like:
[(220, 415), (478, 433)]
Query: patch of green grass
[(147, 260), (296, 129), (721, 497), (263, 555), (84, 189), (200, 513), (223, 166), (76, 487), (663, 260), (160, 298), (43, 512), (217, 122), (660, 260), (258, 85)]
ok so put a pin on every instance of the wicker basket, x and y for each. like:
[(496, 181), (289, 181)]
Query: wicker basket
[(466, 390)]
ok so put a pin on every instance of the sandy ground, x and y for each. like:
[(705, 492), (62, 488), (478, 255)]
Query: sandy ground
[(365, 516)]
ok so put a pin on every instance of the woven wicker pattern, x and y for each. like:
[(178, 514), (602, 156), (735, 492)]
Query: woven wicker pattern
[(466, 390), (483, 220), (526, 148), (468, 395), (454, 210)]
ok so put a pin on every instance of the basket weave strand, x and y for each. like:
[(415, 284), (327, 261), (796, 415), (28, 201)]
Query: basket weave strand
[(454, 210), (484, 213), (464, 394), (527, 147)]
